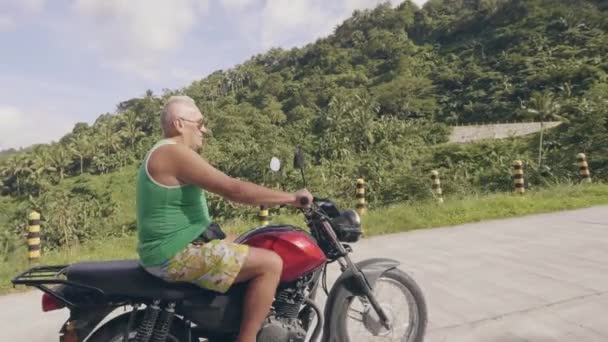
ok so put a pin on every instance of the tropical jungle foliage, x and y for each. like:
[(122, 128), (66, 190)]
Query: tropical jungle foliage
[(375, 99)]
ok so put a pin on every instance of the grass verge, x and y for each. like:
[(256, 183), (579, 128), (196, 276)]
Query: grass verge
[(397, 218)]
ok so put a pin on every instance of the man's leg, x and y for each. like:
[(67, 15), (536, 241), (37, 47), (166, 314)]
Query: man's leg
[(263, 270)]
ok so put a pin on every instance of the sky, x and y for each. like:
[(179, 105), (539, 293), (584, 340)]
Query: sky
[(63, 62)]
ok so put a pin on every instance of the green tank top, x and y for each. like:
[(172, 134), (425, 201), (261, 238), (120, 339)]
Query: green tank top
[(168, 217)]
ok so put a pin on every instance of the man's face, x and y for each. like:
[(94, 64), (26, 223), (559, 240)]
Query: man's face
[(192, 127)]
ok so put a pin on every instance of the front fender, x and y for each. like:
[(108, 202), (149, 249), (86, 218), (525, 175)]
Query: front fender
[(346, 286)]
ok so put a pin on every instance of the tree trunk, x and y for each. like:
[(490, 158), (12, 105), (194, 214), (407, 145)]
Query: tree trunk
[(540, 145)]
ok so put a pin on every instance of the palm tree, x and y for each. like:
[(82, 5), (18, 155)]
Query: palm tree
[(16, 170), (42, 164), (42, 160), (109, 140), (544, 107), (130, 128), (82, 147), (9, 172), (59, 158)]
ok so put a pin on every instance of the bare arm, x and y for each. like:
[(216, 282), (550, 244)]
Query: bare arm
[(190, 168)]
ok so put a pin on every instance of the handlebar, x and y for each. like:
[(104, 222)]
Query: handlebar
[(303, 201)]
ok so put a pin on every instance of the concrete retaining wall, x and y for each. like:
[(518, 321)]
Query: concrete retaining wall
[(464, 134)]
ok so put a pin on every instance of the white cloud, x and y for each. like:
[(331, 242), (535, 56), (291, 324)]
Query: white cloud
[(237, 4), (27, 6), (282, 19), (7, 23), (10, 116), (133, 36), (22, 128), (13, 12), (32, 5), (184, 75), (137, 37), (150, 25), (144, 67), (55, 88), (295, 22)]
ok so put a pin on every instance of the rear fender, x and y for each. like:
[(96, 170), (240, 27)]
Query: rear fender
[(179, 328), (87, 308), (84, 320), (347, 286)]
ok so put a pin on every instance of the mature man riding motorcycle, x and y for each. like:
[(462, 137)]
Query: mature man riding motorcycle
[(191, 283), (174, 225)]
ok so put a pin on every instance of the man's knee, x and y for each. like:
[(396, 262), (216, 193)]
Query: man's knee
[(270, 262), (261, 261), (274, 263)]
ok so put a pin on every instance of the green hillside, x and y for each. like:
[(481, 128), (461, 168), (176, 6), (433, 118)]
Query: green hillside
[(375, 100)]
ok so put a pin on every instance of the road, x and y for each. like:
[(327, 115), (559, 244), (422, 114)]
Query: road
[(537, 278)]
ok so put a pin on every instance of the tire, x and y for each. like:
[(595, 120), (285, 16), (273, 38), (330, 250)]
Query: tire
[(416, 304), (114, 329)]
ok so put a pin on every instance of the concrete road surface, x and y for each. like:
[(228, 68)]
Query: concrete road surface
[(538, 278)]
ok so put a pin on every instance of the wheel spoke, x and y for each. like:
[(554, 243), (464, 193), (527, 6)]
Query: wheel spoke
[(356, 318), (357, 311), (392, 295)]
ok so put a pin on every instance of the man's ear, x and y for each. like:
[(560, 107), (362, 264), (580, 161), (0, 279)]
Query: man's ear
[(178, 125)]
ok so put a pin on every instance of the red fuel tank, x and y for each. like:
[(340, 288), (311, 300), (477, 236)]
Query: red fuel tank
[(295, 246)]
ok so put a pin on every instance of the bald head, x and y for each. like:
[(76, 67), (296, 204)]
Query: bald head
[(176, 107), (183, 122)]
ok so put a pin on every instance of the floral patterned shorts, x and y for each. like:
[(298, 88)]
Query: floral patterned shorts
[(213, 265)]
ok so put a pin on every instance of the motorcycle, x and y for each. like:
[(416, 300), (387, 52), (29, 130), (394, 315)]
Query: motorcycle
[(357, 307)]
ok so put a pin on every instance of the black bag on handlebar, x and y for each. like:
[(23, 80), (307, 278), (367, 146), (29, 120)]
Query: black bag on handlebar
[(213, 232), (346, 227), (345, 223)]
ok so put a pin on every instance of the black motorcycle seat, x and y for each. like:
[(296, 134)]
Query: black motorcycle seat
[(127, 278)]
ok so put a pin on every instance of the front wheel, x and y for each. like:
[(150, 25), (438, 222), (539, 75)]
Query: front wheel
[(400, 298)]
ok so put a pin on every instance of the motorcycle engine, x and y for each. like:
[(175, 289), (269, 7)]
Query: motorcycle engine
[(281, 330)]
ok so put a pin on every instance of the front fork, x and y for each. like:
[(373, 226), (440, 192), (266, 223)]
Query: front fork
[(353, 280), (361, 283)]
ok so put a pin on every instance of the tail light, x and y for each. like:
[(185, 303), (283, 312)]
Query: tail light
[(50, 303)]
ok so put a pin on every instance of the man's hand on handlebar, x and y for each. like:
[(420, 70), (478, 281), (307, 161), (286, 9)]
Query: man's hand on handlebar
[(303, 199)]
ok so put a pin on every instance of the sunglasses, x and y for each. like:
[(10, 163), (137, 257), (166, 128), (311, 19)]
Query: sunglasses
[(199, 123)]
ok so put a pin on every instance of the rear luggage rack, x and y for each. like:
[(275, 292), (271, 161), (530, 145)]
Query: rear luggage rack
[(42, 276)]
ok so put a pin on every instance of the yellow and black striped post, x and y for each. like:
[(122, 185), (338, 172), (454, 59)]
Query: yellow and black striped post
[(518, 177), (583, 167), (437, 186), (263, 215), (33, 236), (361, 205)]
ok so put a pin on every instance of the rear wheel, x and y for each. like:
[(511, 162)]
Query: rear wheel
[(400, 298)]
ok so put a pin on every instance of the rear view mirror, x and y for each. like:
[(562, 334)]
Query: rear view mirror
[(298, 163), (275, 164), (298, 159)]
